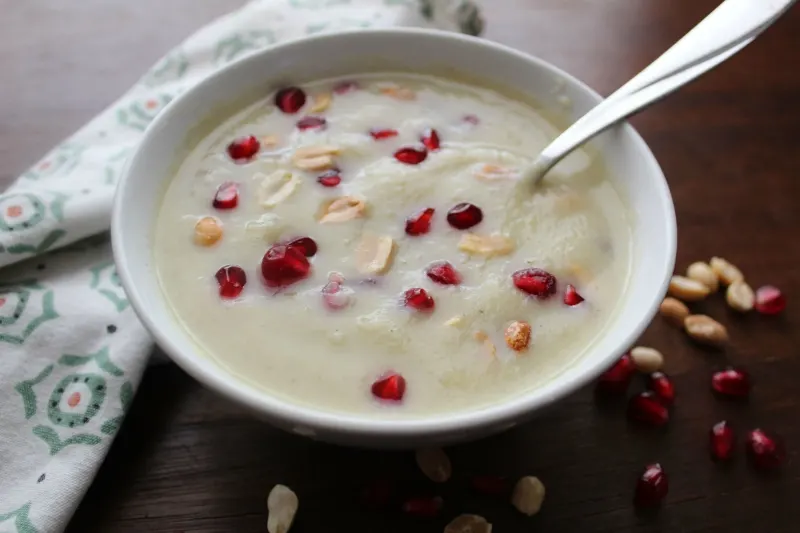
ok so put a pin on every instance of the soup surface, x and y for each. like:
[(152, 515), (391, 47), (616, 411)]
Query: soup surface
[(433, 280)]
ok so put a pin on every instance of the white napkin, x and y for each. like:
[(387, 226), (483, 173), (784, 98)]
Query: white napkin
[(71, 350)]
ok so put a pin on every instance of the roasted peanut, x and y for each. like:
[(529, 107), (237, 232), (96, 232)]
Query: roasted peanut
[(528, 495), (726, 272), (674, 311), (647, 360), (486, 245), (282, 505), (706, 330), (468, 523), (435, 464), (342, 209), (687, 289), (703, 273), (321, 102), (740, 296), (518, 335), (374, 254)]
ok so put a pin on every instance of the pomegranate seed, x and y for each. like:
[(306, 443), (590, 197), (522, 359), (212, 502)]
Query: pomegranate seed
[(312, 123), (290, 100), (722, 441), (336, 296), (423, 507), (430, 139), (243, 148), (382, 134), (411, 156), (390, 387), (443, 273), (731, 382), (571, 296), (378, 494), (652, 486), (490, 485), (227, 196), (283, 265), (418, 299), (305, 245), (231, 280), (536, 282), (616, 379), (765, 450), (464, 215), (420, 223), (646, 409), (471, 119), (662, 387), (330, 178), (770, 300), (345, 87)]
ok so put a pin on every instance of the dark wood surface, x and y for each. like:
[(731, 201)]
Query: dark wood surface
[(188, 460)]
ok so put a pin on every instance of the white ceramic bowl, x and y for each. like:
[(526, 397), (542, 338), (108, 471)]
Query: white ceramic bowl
[(637, 174)]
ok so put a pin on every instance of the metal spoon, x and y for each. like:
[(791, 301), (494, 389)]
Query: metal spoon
[(729, 28)]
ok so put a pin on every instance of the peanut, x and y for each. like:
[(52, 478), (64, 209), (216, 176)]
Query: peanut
[(277, 187), (687, 289), (726, 271), (207, 231), (374, 254), (703, 273), (269, 140), (518, 335), (435, 464), (468, 523), (486, 245), (342, 209), (740, 296), (528, 495), (706, 330), (674, 311), (647, 360), (399, 93), (317, 157), (282, 505), (321, 102), (489, 172)]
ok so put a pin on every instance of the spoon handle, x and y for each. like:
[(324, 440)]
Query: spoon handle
[(725, 31)]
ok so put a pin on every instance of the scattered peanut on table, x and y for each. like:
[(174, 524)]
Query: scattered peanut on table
[(674, 311), (740, 296), (282, 505), (686, 289), (468, 523), (435, 464), (702, 272), (647, 360), (706, 330), (528, 495), (726, 271)]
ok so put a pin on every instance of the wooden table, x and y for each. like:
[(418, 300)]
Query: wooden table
[(188, 460)]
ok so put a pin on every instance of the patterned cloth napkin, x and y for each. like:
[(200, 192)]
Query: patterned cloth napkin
[(71, 350)]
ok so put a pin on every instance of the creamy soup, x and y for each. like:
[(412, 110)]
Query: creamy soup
[(366, 246)]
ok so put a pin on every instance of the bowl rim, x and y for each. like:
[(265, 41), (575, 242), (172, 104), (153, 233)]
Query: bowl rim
[(306, 418)]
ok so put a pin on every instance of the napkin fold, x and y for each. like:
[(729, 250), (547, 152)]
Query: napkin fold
[(72, 351)]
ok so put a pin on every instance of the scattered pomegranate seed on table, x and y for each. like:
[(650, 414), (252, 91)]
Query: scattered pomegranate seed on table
[(490, 485), (571, 296), (290, 99), (660, 384), (418, 299), (616, 379), (765, 450), (722, 441), (536, 282), (312, 123), (423, 507), (464, 215), (307, 245), (283, 265), (430, 139), (383, 134), (378, 494), (419, 223), (231, 280), (652, 486), (330, 178), (769, 300), (645, 408), (731, 382), (243, 148), (411, 156), (443, 273), (227, 196)]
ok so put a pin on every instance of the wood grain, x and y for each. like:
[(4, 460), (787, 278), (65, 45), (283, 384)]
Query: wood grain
[(187, 460)]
